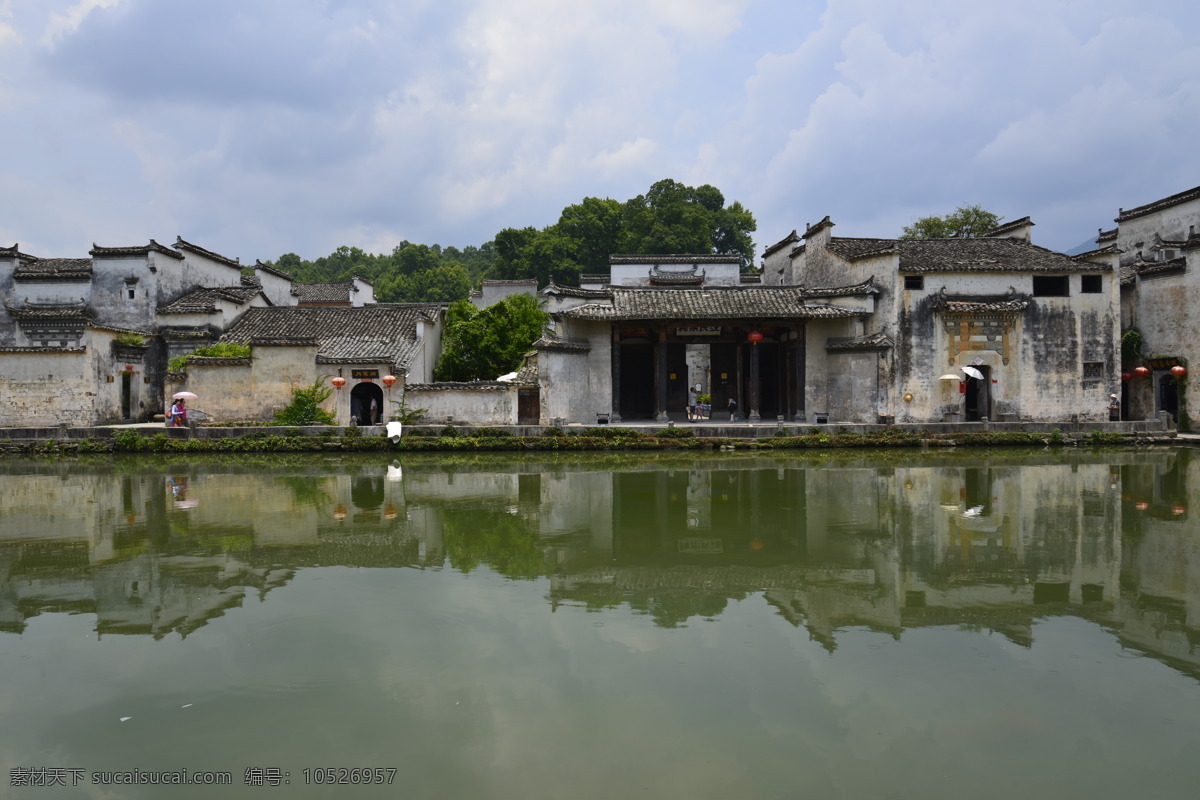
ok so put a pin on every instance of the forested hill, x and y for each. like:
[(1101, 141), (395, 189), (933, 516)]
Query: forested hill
[(669, 218)]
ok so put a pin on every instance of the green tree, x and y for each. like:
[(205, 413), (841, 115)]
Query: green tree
[(482, 344), (966, 222), (675, 218)]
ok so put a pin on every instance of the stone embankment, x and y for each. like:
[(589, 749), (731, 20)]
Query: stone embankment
[(640, 436)]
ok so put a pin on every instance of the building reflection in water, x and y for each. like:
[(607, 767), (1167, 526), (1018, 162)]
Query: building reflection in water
[(995, 541)]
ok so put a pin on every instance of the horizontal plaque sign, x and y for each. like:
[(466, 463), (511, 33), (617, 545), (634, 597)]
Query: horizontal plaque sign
[(364, 374), (1166, 362), (713, 330)]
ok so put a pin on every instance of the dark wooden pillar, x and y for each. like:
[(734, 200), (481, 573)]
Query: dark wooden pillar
[(660, 375), (798, 367), (616, 375), (754, 400)]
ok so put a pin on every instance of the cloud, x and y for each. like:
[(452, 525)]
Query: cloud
[(288, 125)]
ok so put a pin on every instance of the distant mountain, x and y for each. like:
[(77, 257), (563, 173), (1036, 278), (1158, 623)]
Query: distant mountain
[(1082, 247)]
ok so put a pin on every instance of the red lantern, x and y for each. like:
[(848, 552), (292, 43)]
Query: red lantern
[(388, 380), (1178, 371), (1142, 371), (1126, 376), (1178, 510), (1141, 505), (338, 382), (754, 337), (339, 512)]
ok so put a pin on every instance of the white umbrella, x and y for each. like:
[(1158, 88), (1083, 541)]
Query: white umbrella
[(973, 373), (184, 396)]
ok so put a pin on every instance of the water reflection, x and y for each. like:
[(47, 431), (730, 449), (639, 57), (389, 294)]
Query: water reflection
[(994, 541)]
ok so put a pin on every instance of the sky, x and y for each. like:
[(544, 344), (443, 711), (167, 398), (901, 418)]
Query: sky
[(260, 128)]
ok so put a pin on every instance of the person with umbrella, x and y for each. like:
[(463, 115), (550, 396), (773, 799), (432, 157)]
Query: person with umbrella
[(177, 416)]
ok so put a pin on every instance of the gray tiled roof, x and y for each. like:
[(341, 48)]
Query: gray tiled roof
[(1159, 205), (376, 333), (56, 312), (54, 269), (323, 292), (122, 252), (1099, 251), (853, 249), (982, 304), (711, 302), (1008, 227), (856, 290), (525, 282), (1106, 236), (791, 238), (669, 258), (46, 349), (15, 252), (872, 341), (180, 244), (1152, 269), (983, 255), (960, 255), (573, 291), (204, 300), (273, 271), (561, 345)]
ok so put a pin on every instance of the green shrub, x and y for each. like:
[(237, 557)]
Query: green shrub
[(305, 408), (676, 433), (492, 433), (130, 339), (218, 350), (448, 431)]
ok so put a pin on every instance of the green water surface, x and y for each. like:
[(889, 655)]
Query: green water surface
[(903, 624)]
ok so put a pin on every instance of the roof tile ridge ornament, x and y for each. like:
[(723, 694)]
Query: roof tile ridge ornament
[(1157, 205), (812, 230)]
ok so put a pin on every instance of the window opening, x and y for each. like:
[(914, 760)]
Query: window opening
[(1091, 284), (1051, 286)]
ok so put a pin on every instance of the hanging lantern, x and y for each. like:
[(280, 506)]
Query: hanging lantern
[(339, 512), (754, 337), (1178, 510), (1141, 505), (1126, 376), (1178, 371), (1142, 371), (388, 380), (338, 382)]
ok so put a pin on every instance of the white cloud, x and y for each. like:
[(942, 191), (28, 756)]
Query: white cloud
[(293, 124), (68, 22)]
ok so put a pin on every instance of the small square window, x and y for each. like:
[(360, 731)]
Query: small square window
[(1051, 286), (1091, 284), (1093, 370), (130, 291), (914, 282)]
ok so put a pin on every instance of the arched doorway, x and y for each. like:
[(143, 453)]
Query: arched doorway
[(366, 404)]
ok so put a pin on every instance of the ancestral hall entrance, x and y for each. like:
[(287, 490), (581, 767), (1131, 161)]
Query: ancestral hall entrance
[(653, 368)]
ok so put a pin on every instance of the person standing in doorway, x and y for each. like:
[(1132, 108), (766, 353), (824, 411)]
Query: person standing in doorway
[(733, 413), (693, 403), (373, 413)]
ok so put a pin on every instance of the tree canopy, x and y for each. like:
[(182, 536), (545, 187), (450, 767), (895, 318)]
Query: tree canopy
[(411, 273), (669, 218), (483, 344), (965, 222)]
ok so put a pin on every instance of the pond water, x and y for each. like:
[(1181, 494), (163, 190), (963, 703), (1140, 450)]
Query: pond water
[(899, 624)]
